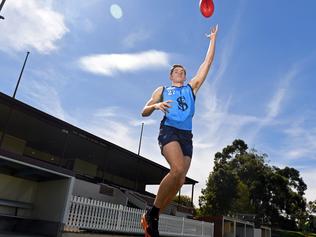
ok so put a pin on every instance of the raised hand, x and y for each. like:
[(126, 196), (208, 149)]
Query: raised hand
[(213, 33)]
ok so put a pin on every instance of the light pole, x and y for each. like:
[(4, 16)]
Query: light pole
[(137, 163), (140, 139), (17, 84), (4, 130), (1, 6)]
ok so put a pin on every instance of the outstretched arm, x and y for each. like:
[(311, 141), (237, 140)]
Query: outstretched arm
[(155, 103), (199, 78)]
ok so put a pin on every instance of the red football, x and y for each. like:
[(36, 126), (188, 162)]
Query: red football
[(207, 7)]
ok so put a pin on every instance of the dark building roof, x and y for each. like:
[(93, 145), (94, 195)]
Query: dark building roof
[(119, 162)]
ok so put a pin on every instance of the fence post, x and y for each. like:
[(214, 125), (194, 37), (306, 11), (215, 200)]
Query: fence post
[(202, 228), (182, 231), (119, 220)]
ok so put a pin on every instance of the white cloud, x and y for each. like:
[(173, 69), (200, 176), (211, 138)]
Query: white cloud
[(31, 24), (135, 37), (45, 97), (42, 89), (107, 112), (112, 128), (310, 180), (108, 64), (275, 104), (145, 121), (301, 139)]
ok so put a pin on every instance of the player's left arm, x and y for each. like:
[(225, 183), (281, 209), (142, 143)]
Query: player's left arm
[(200, 76)]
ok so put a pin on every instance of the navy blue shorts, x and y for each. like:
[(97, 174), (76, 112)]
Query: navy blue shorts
[(184, 137)]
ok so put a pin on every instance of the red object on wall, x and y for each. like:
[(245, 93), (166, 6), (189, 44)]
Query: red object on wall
[(207, 7)]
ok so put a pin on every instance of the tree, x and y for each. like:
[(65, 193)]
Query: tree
[(220, 193), (242, 182), (183, 200), (221, 190), (311, 207)]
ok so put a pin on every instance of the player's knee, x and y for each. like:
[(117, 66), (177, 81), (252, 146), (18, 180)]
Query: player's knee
[(179, 174)]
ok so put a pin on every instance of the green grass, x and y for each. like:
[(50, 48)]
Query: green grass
[(285, 233)]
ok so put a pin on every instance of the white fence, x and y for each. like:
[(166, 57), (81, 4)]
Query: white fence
[(89, 214)]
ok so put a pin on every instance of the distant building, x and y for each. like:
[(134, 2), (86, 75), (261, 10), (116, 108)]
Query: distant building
[(225, 226)]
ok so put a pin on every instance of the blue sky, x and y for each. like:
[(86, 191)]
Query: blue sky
[(96, 68)]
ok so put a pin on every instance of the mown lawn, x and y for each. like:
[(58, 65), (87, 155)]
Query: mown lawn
[(285, 233)]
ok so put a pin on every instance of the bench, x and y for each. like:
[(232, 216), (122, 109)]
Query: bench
[(16, 205)]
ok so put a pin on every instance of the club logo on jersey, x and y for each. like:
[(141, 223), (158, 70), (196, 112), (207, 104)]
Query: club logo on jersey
[(182, 105)]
